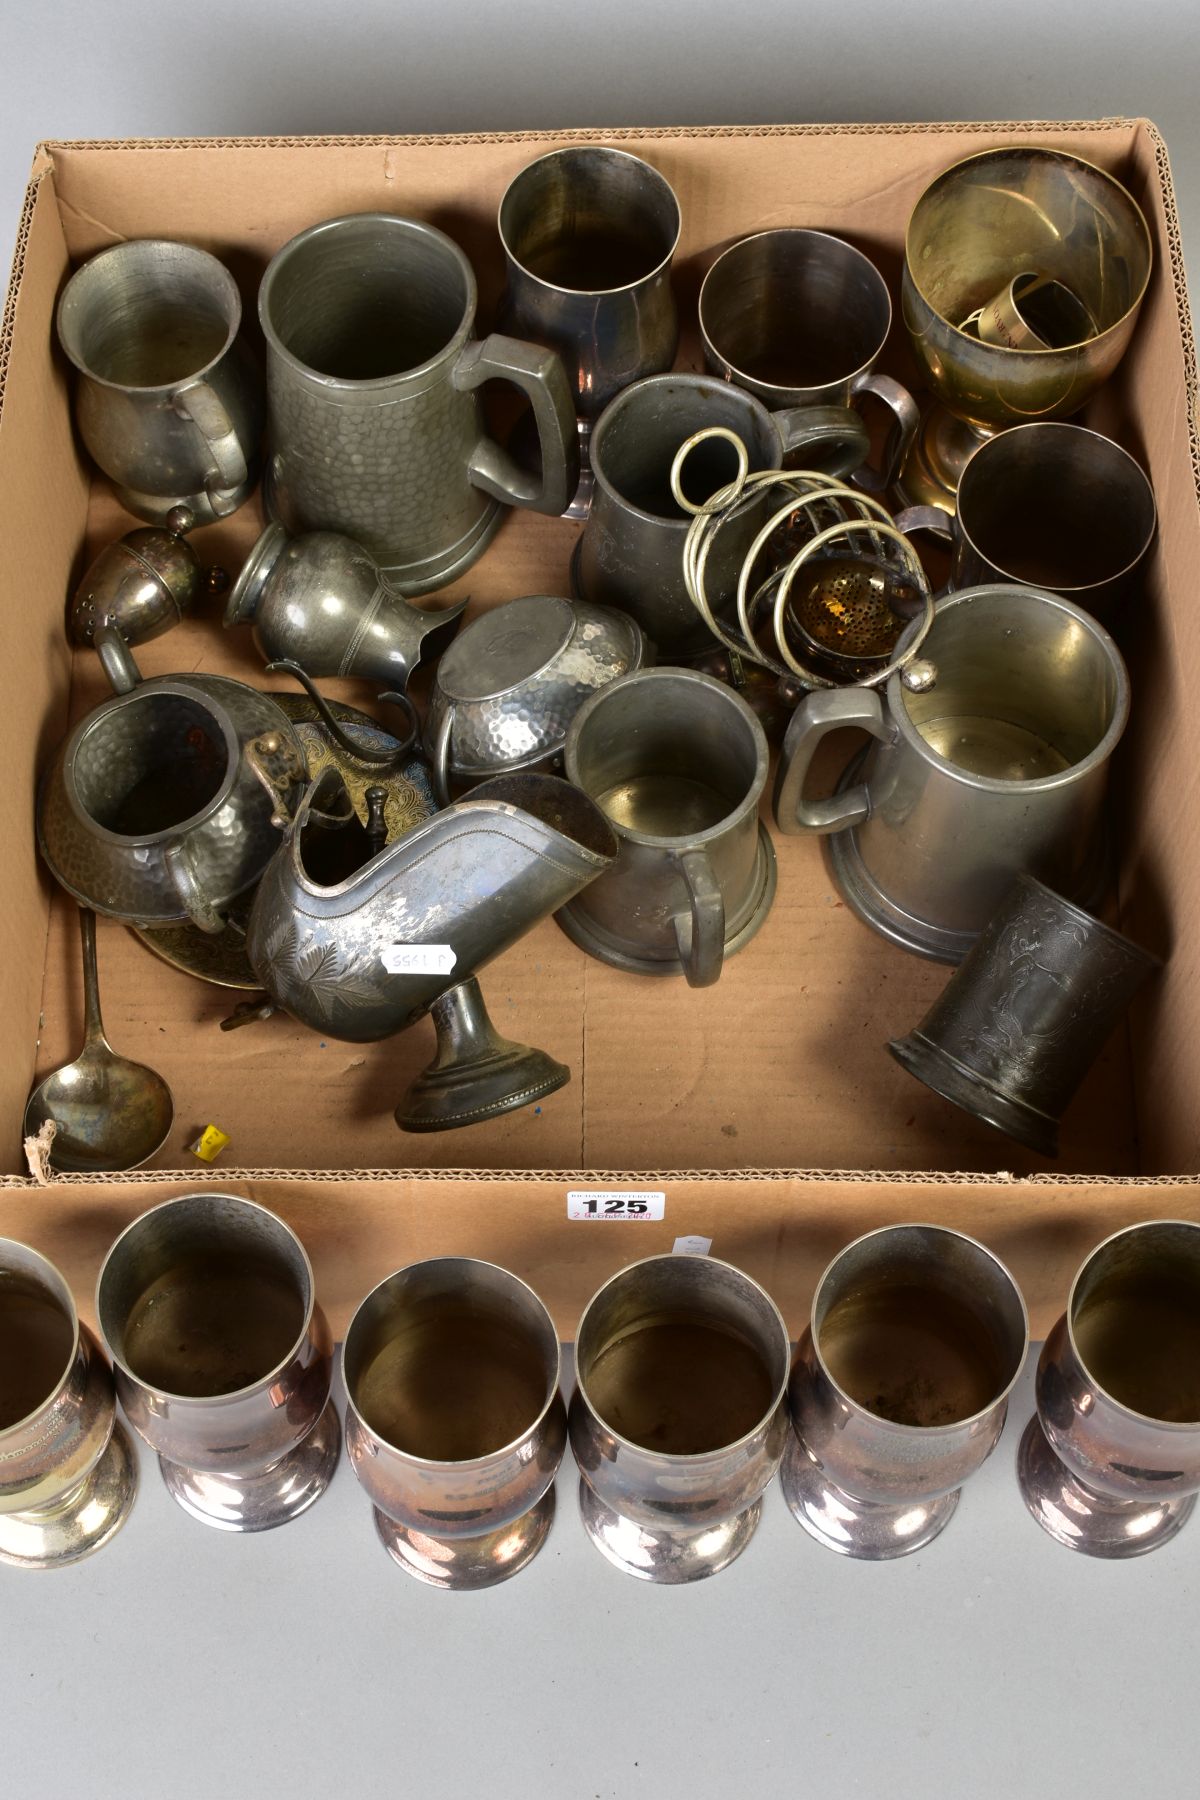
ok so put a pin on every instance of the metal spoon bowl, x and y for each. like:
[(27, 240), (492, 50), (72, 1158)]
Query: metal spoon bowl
[(109, 1113)]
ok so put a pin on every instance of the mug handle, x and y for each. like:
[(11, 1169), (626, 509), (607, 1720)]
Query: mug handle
[(837, 433), (200, 403), (938, 524), (440, 759), (198, 907), (540, 376), (700, 931), (906, 415), (817, 715)]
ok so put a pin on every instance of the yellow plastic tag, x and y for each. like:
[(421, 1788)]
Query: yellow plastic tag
[(209, 1144)]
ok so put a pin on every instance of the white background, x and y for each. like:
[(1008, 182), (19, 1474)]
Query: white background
[(181, 1663)]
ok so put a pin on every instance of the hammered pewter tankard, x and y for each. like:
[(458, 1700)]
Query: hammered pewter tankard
[(900, 1388), (1026, 1013), (588, 235), (68, 1473), (998, 769), (630, 554), (150, 811), (375, 425), (1110, 1463), (506, 690), (1007, 212), (1050, 505), (677, 762), (222, 1358), (455, 1425), (678, 1419), (800, 318), (169, 398)]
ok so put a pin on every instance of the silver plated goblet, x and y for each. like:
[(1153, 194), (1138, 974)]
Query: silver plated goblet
[(68, 1474), (1110, 1463), (223, 1358), (678, 1419), (900, 1387), (455, 1425)]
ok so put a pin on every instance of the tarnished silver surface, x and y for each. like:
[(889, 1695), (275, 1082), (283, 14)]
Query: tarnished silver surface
[(1031, 699), (375, 423), (169, 399), (143, 583), (171, 748), (862, 1482), (1099, 1468), (507, 688), (479, 1517), (240, 1460), (68, 1476), (320, 600), (799, 318), (678, 762), (657, 1515)]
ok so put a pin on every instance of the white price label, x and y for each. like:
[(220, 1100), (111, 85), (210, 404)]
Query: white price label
[(616, 1203), (691, 1246), (418, 959)]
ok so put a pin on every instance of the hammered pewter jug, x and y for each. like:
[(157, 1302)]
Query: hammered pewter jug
[(1110, 1462), (455, 1425), (150, 811), (588, 234), (800, 318), (144, 583), (1026, 1013), (169, 399), (900, 1388), (506, 690), (375, 425), (997, 769), (630, 555), (223, 1358), (678, 1419), (677, 762), (68, 1473), (321, 601)]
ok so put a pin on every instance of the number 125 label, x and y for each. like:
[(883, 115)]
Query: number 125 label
[(599, 1203)]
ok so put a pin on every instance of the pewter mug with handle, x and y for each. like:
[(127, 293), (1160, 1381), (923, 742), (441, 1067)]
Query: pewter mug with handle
[(169, 399), (996, 770), (374, 419)]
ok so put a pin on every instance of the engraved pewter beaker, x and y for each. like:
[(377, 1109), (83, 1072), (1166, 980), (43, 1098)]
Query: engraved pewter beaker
[(223, 1358), (68, 1472), (678, 1419), (455, 1425), (1110, 1463), (900, 1387)]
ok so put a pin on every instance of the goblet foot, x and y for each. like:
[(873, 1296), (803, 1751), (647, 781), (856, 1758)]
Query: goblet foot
[(272, 1497), (476, 1074), (860, 1528), (939, 453), (468, 1563), (82, 1520), (1083, 1520), (660, 1555)]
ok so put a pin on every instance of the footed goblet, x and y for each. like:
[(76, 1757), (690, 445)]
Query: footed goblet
[(900, 1387), (1110, 1462), (223, 1358)]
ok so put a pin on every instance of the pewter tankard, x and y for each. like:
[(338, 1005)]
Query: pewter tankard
[(374, 420), (998, 769), (169, 398)]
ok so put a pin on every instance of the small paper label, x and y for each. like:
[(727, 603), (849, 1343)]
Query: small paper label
[(691, 1246), (615, 1203), (209, 1145), (418, 959)]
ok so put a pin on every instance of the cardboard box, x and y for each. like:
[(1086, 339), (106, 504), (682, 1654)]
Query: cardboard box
[(766, 1107)]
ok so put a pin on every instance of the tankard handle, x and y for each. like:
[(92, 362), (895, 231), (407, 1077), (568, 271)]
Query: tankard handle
[(700, 931), (835, 436), (440, 758), (541, 377), (199, 402), (906, 416), (816, 716), (926, 518)]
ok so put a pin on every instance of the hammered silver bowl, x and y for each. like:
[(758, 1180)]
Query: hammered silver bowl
[(509, 686)]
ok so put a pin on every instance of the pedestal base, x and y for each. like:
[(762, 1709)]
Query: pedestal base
[(660, 1555), (82, 1521), (1086, 1521), (469, 1563), (853, 1527), (260, 1502)]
